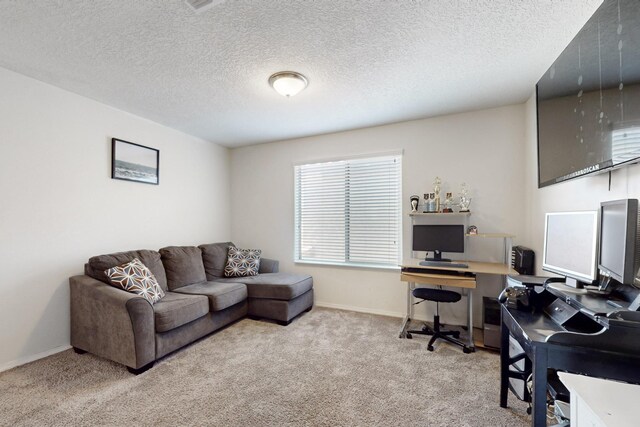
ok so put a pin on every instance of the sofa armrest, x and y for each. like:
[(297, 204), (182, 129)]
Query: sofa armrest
[(269, 265), (111, 323)]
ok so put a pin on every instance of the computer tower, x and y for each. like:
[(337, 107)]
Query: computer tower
[(522, 260), (491, 320)]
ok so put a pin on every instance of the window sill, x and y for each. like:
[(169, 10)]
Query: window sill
[(350, 265)]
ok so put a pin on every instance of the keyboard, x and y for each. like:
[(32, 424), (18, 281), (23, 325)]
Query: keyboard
[(443, 264)]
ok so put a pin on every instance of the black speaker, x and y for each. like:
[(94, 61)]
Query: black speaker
[(522, 260)]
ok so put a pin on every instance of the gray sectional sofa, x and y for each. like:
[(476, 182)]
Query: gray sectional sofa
[(127, 329)]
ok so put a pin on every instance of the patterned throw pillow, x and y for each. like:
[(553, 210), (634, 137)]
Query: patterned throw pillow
[(136, 278), (242, 262)]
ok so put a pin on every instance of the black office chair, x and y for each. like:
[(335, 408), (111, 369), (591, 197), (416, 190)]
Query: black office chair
[(438, 295)]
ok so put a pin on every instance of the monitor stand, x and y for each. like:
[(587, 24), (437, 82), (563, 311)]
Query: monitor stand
[(559, 286), (437, 256), (572, 282), (570, 285)]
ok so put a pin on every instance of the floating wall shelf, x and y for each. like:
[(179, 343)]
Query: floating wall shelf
[(437, 214)]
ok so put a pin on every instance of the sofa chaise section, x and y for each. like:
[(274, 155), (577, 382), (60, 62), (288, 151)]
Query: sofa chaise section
[(277, 296), (271, 294)]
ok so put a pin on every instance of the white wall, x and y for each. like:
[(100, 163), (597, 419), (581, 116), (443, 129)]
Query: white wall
[(59, 205), (584, 193), (483, 148)]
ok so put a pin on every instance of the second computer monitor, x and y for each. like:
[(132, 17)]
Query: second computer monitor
[(619, 249), (438, 239)]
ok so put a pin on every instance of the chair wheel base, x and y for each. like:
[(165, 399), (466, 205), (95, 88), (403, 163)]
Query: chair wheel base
[(466, 350), (430, 347), (409, 336)]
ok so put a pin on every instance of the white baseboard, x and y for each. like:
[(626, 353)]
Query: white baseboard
[(33, 357), (360, 309), (387, 313)]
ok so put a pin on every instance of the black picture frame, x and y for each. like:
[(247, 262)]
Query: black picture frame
[(134, 162)]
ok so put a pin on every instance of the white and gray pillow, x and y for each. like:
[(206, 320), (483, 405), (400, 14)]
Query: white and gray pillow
[(242, 262), (136, 278)]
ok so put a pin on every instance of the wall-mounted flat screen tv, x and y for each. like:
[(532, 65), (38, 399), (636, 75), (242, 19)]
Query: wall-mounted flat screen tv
[(589, 99)]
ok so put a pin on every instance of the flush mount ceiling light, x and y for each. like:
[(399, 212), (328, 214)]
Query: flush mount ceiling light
[(288, 83)]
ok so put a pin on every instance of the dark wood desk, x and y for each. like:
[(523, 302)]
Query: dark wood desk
[(611, 353)]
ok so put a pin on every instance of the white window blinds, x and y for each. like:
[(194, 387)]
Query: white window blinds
[(349, 211)]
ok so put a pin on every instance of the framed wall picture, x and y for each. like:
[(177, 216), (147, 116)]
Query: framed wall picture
[(133, 162)]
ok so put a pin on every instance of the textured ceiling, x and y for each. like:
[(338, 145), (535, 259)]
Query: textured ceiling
[(368, 62)]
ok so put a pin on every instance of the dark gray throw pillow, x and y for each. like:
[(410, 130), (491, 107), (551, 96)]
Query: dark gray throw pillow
[(214, 256), (183, 265), (242, 262), (97, 265)]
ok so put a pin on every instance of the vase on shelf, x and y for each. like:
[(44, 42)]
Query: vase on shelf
[(465, 200), (436, 194), (448, 202)]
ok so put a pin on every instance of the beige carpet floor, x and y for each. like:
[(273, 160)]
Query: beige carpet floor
[(327, 368)]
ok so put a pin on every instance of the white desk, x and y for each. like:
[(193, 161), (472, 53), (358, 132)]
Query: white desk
[(413, 273), (596, 402)]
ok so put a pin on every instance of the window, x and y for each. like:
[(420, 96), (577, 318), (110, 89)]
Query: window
[(348, 212)]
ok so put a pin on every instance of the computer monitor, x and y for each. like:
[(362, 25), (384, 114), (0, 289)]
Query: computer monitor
[(571, 246), (438, 239), (619, 254)]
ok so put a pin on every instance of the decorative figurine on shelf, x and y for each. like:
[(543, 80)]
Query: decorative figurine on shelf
[(436, 192), (414, 203), (465, 200), (472, 230), (425, 207), (448, 201), (431, 204)]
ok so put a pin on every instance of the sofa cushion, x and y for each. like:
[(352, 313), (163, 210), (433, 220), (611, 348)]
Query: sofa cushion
[(97, 265), (242, 262), (178, 309), (269, 266), (221, 295), (136, 278), (183, 265), (214, 256), (282, 286)]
